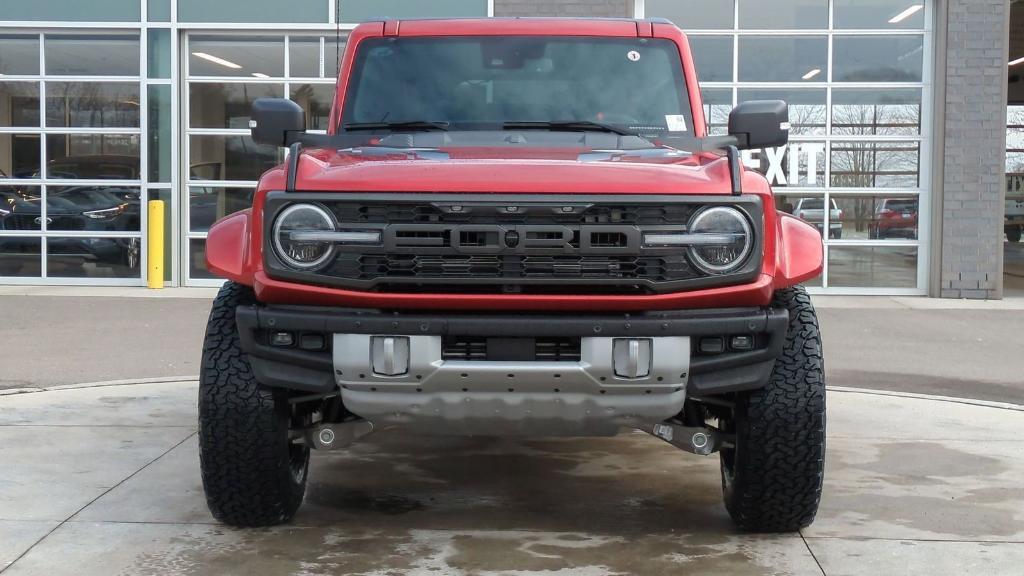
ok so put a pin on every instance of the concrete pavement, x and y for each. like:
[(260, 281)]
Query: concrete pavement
[(104, 480)]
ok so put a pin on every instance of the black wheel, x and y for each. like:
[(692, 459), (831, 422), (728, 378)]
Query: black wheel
[(132, 253), (253, 474), (772, 476), (1013, 234)]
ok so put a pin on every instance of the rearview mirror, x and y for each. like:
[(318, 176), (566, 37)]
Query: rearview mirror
[(276, 121), (760, 124)]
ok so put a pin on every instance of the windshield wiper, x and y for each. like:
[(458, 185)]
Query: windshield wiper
[(569, 126), (397, 126)]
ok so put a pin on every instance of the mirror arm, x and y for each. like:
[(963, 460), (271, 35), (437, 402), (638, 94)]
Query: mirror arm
[(731, 144), (735, 169), (292, 168)]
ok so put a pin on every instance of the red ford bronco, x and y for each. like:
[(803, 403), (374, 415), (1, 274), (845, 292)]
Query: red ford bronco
[(514, 227)]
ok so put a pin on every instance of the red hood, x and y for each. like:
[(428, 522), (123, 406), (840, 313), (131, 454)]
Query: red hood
[(536, 170)]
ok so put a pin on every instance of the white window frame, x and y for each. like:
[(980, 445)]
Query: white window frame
[(924, 138)]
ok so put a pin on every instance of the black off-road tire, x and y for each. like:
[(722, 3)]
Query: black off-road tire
[(1013, 234), (253, 475), (772, 477)]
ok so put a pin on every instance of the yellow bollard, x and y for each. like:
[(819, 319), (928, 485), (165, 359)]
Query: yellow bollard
[(155, 274)]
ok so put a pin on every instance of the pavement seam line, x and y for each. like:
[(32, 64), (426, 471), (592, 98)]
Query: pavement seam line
[(935, 398), (103, 384), (935, 540), (811, 552), (93, 501)]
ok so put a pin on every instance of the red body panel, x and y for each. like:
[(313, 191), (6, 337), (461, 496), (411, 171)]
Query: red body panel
[(792, 249)]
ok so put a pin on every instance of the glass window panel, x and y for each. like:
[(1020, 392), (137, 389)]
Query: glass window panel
[(292, 11), (207, 204), (878, 14), (875, 164), (304, 57), (19, 54), (808, 207), (170, 232), (693, 14), (20, 257), (20, 208), (798, 164), (783, 14), (92, 54), (159, 53), (877, 217), (316, 100), (361, 10), (234, 157), (783, 59), (197, 260), (878, 58), (806, 106), (1015, 138), (93, 208), (19, 156), (159, 133), (158, 10), (712, 55), (872, 266), (1015, 163), (19, 104), (717, 105), (259, 56), (77, 257), (218, 105), (73, 10), (875, 111), (92, 104), (333, 51), (92, 156)]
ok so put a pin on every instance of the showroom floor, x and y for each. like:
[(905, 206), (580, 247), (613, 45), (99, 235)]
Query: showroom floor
[(104, 480)]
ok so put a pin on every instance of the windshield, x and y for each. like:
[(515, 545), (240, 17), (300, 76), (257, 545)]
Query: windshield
[(632, 85)]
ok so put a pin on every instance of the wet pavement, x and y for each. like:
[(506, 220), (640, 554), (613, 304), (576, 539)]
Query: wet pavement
[(105, 481)]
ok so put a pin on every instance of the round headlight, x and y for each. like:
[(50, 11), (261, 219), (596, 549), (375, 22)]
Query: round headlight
[(729, 239), (295, 238)]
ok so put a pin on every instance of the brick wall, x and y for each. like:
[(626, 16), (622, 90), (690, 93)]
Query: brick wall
[(601, 8), (974, 149)]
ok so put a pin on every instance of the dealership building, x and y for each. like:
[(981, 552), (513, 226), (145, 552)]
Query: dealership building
[(906, 151)]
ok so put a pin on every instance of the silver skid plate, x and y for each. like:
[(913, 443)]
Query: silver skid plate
[(519, 398)]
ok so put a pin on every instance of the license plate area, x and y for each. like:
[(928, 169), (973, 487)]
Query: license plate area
[(503, 349)]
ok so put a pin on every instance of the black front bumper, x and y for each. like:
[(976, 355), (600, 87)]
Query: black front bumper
[(310, 369)]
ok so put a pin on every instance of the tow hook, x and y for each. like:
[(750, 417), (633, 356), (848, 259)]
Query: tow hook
[(334, 436), (693, 439)]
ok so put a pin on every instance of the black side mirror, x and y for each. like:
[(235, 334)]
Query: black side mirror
[(276, 121), (760, 124)]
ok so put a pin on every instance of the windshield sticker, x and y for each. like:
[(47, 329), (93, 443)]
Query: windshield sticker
[(633, 55), (675, 122)]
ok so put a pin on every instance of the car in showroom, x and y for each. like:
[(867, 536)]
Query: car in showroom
[(514, 227), (75, 208)]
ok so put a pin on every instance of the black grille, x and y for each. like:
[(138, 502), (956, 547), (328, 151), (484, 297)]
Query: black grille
[(511, 244), (481, 348), (665, 268), (34, 222), (669, 214)]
